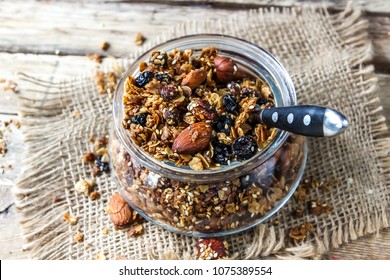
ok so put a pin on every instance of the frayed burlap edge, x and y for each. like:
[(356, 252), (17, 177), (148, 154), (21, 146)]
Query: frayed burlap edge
[(40, 174)]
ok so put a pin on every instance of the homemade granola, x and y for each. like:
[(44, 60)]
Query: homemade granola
[(196, 110), (208, 208)]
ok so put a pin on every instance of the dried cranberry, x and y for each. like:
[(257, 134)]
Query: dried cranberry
[(139, 119), (222, 153), (244, 148), (169, 92), (223, 124), (229, 102), (143, 78)]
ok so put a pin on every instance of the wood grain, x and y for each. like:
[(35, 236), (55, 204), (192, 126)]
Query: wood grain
[(67, 29)]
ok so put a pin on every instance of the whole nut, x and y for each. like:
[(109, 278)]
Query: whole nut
[(225, 69), (120, 212), (193, 139), (194, 78), (202, 110)]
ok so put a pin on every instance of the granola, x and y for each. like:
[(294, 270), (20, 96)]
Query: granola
[(197, 111), (208, 208), (176, 90)]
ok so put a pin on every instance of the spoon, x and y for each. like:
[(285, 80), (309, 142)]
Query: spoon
[(307, 120)]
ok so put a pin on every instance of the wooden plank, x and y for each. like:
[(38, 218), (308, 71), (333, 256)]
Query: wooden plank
[(372, 6), (379, 29), (79, 28)]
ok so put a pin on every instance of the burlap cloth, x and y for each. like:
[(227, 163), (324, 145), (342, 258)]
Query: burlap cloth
[(327, 57)]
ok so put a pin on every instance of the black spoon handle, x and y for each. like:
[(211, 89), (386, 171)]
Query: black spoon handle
[(308, 120)]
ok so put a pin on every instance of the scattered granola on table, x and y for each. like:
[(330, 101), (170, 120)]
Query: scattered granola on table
[(195, 110), (10, 85), (106, 82), (78, 237), (299, 233), (211, 249), (96, 57), (314, 206), (139, 39), (105, 46), (98, 157), (70, 219)]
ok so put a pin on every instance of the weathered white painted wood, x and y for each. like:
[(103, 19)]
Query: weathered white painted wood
[(79, 27)]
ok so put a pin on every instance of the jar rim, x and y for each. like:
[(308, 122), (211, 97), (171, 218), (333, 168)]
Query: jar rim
[(273, 72)]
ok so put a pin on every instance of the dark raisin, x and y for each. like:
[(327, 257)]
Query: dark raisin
[(169, 92), (139, 119), (172, 115), (143, 78), (229, 103), (222, 153), (249, 92), (234, 88), (244, 148), (223, 124), (102, 166), (163, 77), (262, 101)]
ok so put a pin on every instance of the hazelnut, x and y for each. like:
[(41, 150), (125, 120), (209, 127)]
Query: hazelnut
[(225, 69)]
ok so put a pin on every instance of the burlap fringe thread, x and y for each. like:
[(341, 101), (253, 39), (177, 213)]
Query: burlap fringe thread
[(40, 173)]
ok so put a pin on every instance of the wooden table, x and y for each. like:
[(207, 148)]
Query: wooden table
[(50, 40)]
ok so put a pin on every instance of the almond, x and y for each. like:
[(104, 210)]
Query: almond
[(193, 139), (194, 78), (120, 212)]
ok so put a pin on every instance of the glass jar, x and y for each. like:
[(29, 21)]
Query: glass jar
[(213, 202)]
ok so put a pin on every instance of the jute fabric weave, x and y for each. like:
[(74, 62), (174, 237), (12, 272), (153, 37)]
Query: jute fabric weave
[(328, 58)]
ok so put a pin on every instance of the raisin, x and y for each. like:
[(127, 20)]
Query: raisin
[(202, 110), (230, 103), (244, 148), (222, 153), (143, 79), (262, 101), (102, 166), (223, 124), (234, 88), (249, 92), (169, 92), (172, 115), (139, 119), (163, 77)]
